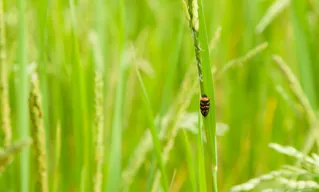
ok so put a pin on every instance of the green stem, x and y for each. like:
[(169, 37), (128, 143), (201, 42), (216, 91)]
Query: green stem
[(195, 15), (22, 93)]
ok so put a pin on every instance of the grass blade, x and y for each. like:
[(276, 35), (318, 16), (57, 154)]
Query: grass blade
[(157, 145), (115, 156), (5, 117), (200, 159), (302, 49), (22, 98), (4, 86), (210, 120), (167, 92), (57, 153), (196, 18), (190, 161)]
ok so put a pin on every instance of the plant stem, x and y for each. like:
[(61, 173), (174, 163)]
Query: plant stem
[(38, 133), (195, 16), (5, 122), (22, 97)]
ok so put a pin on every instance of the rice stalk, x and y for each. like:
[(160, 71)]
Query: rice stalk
[(38, 134), (99, 51), (272, 12), (167, 149), (291, 151), (201, 158), (113, 178), (11, 150), (177, 110), (239, 61), (278, 176), (56, 174), (309, 163), (155, 137), (297, 108), (304, 57), (22, 96), (289, 177), (99, 132), (295, 87), (298, 92), (145, 144), (298, 185), (175, 128), (195, 16), (4, 89), (190, 159), (191, 9), (215, 39)]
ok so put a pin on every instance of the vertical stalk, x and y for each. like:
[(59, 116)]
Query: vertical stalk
[(115, 155), (99, 132), (195, 16), (22, 97), (38, 134), (4, 88), (98, 49), (155, 138)]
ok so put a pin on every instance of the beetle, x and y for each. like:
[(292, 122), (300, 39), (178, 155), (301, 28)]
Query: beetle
[(204, 105)]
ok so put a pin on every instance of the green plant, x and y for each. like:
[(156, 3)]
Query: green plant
[(288, 178), (196, 19)]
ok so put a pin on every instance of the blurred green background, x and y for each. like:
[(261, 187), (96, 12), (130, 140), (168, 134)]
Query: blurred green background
[(69, 40)]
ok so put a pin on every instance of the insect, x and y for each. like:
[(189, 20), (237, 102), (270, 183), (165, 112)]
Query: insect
[(204, 105)]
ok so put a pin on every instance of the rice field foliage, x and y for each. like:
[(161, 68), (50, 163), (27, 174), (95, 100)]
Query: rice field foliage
[(115, 102)]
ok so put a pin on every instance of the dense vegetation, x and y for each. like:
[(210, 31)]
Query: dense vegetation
[(104, 95)]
